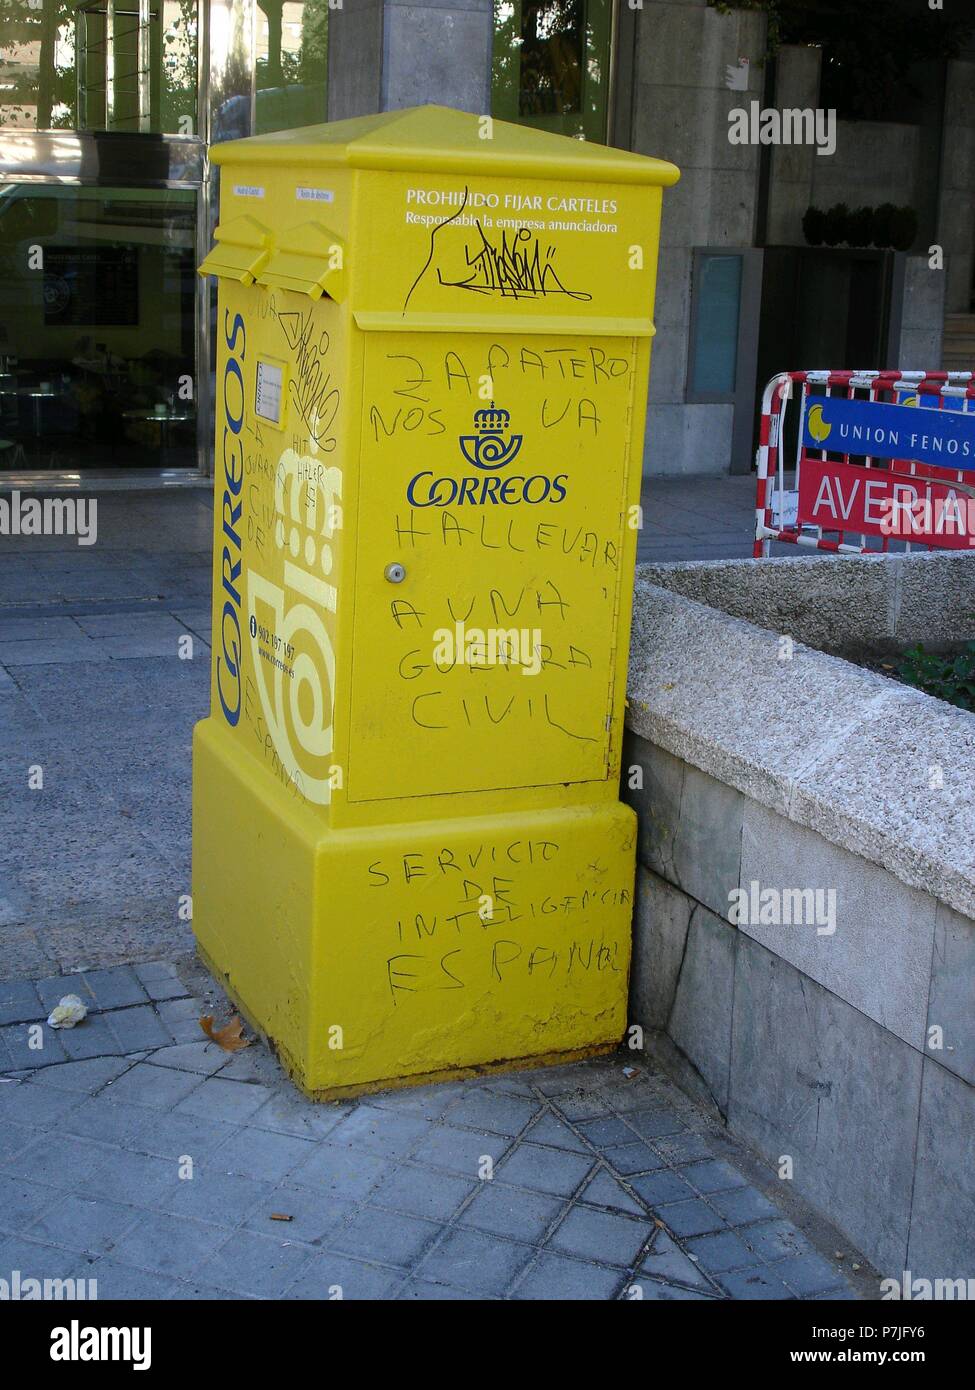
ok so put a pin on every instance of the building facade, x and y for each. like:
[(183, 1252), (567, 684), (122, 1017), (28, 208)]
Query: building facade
[(108, 200)]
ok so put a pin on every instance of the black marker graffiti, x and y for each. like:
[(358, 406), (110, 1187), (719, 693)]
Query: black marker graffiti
[(515, 268)]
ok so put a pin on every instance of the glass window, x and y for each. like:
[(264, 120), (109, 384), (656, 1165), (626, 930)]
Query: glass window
[(551, 65), (714, 345), (99, 65), (292, 64), (97, 327)]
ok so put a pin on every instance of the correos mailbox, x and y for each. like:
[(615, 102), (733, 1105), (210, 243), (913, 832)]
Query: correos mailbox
[(409, 856)]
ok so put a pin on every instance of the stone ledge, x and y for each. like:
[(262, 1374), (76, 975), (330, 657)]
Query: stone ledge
[(851, 605), (840, 750)]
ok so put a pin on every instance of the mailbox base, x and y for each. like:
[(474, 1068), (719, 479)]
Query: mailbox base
[(377, 956)]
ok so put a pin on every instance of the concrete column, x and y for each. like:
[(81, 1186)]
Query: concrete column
[(956, 226), (922, 317), (686, 55), (792, 166), (387, 54)]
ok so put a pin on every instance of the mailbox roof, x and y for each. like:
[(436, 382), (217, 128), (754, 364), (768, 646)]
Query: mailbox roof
[(437, 139)]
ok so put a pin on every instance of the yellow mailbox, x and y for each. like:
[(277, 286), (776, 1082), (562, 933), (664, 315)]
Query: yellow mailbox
[(409, 856)]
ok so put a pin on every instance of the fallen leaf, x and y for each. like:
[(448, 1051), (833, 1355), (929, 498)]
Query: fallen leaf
[(230, 1037)]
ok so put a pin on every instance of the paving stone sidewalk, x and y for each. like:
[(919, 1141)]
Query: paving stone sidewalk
[(136, 1153)]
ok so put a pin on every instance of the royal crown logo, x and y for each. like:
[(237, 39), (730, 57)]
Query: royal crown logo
[(489, 448)]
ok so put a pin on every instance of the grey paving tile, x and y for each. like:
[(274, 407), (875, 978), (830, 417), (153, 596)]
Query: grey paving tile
[(97, 1117), (667, 1261), (498, 1114), (758, 1283), (578, 1104), (262, 1266), (430, 1102), (19, 1040), (383, 1132), (115, 987), (605, 1191), (87, 1076), (13, 1139), (170, 1245), (460, 1151), (633, 1158), (601, 1235), (21, 1202), (722, 1252), (19, 1002), (172, 1136), (21, 629), (554, 1277), (549, 1129), (544, 1170), (117, 1281), (607, 1133), (344, 1173), (661, 1187), (256, 1064), (37, 1261), (204, 1058), (742, 1205), (49, 651), (776, 1239), (691, 1218), (85, 1224), (126, 1176), (809, 1274), (422, 1192), (631, 1097), (422, 1291), (93, 1038), (332, 1276), (223, 1198), (290, 1113), (682, 1148), (181, 1017), (157, 1088), (160, 980), (383, 1236), (260, 1153), (506, 1211), (155, 623), (652, 1291), (137, 1028), (479, 1263), (313, 1215), (216, 1099), (713, 1175), (57, 1159)]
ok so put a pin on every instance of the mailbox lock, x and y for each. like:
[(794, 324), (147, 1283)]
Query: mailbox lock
[(395, 573)]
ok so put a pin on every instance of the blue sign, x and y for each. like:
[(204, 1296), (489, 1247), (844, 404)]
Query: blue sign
[(945, 438)]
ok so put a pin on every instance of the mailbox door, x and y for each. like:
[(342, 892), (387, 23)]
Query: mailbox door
[(490, 520)]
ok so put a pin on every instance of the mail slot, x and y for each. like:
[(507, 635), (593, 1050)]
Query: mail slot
[(433, 342)]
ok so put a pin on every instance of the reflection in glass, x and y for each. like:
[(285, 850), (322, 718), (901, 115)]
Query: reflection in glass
[(97, 349), (550, 64), (714, 351), (292, 63), (99, 65)]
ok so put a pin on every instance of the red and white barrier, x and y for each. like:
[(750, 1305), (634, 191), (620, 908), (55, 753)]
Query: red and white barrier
[(859, 507)]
